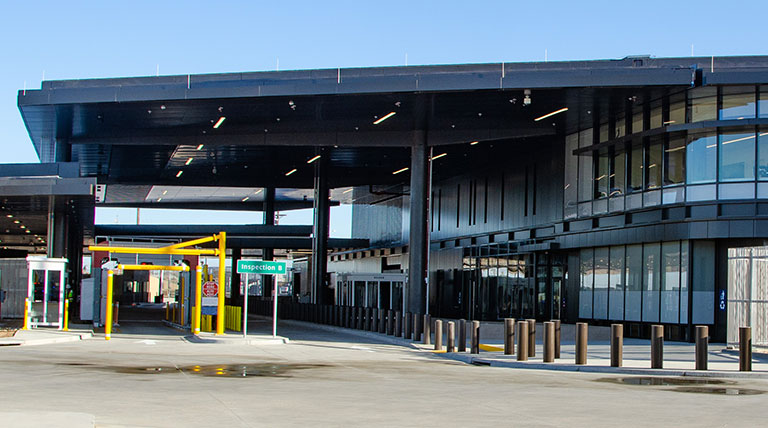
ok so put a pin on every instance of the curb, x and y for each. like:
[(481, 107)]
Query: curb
[(49, 341), (379, 337), (238, 339)]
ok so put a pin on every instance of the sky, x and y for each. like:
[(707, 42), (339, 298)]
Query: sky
[(90, 39)]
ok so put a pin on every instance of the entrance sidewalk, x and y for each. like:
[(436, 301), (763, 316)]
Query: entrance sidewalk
[(44, 336)]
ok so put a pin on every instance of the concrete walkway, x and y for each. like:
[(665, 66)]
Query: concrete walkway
[(45, 336)]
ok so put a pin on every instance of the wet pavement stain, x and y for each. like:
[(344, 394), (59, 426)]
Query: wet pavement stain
[(719, 391), (225, 370), (664, 381)]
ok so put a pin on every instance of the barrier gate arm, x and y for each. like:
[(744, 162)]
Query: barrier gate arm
[(162, 250)]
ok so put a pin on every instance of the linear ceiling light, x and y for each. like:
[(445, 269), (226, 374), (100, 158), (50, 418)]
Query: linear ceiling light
[(474, 143), (387, 116), (551, 114), (219, 122), (439, 156), (347, 191), (257, 192), (178, 174), (200, 147), (290, 172), (400, 170), (245, 199), (314, 159), (9, 215), (189, 161)]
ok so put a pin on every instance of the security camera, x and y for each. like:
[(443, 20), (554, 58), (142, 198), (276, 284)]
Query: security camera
[(527, 97)]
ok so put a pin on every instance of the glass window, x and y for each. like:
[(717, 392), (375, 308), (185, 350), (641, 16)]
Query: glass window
[(762, 103), (636, 167), (651, 282), (738, 103), (620, 126), (656, 114), (670, 282), (616, 284), (703, 283), (586, 276), (618, 175), (684, 282), (600, 311), (604, 132), (602, 180), (701, 155), (637, 119), (737, 156), (676, 109), (674, 160), (586, 176), (571, 174), (653, 178), (762, 155), (703, 104), (634, 278)]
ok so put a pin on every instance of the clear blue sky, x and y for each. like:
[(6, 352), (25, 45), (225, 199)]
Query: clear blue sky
[(85, 39)]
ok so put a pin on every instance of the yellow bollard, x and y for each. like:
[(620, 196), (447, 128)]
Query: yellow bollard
[(222, 277), (181, 312), (198, 297), (167, 306), (108, 321), (26, 314), (66, 315)]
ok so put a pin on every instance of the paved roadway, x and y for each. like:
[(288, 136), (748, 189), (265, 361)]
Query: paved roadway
[(149, 376)]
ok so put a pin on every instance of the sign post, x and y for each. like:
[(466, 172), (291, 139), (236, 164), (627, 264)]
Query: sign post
[(261, 267)]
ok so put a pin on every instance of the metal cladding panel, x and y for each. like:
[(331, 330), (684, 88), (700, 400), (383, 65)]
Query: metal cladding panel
[(735, 77), (13, 280)]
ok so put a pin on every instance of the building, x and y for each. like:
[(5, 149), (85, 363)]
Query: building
[(632, 190)]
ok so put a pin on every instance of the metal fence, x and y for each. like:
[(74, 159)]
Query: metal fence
[(748, 293)]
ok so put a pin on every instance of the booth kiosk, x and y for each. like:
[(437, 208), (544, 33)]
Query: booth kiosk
[(45, 292)]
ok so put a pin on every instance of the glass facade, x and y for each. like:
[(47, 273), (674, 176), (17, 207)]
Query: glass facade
[(702, 152), (647, 283), (737, 156)]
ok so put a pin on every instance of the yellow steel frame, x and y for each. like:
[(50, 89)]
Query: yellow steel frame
[(174, 249)]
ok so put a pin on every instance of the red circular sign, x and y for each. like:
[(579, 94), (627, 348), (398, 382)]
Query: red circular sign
[(210, 289)]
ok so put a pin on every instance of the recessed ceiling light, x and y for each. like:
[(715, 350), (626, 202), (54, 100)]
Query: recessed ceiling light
[(189, 161), (400, 170), (200, 147), (257, 192), (385, 117), (290, 172), (165, 192), (314, 159), (551, 114), (28, 231), (159, 199), (23, 227), (245, 198), (178, 174), (219, 122), (474, 143), (9, 215), (439, 156), (16, 222)]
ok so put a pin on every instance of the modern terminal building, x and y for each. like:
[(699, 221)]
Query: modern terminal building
[(632, 190)]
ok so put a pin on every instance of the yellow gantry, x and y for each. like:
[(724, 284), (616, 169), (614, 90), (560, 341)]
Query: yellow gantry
[(174, 249)]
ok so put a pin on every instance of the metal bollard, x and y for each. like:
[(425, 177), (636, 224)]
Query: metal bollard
[(373, 325), (509, 336), (745, 349), (367, 319), (522, 341), (617, 345), (475, 334), (451, 340), (425, 330), (702, 345), (390, 322), (657, 346), (382, 321), (360, 318), (398, 324), (438, 335), (417, 326), (557, 338), (549, 342), (462, 339), (407, 325), (581, 343), (531, 337)]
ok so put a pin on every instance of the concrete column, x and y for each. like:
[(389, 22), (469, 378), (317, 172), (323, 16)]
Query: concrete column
[(522, 341), (509, 336), (438, 335), (321, 216), (549, 342), (462, 339), (426, 330), (581, 343), (702, 345), (745, 349), (451, 342), (475, 341), (657, 346), (531, 337), (269, 220), (418, 245), (617, 345)]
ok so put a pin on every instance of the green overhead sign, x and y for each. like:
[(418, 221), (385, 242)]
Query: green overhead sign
[(261, 267)]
